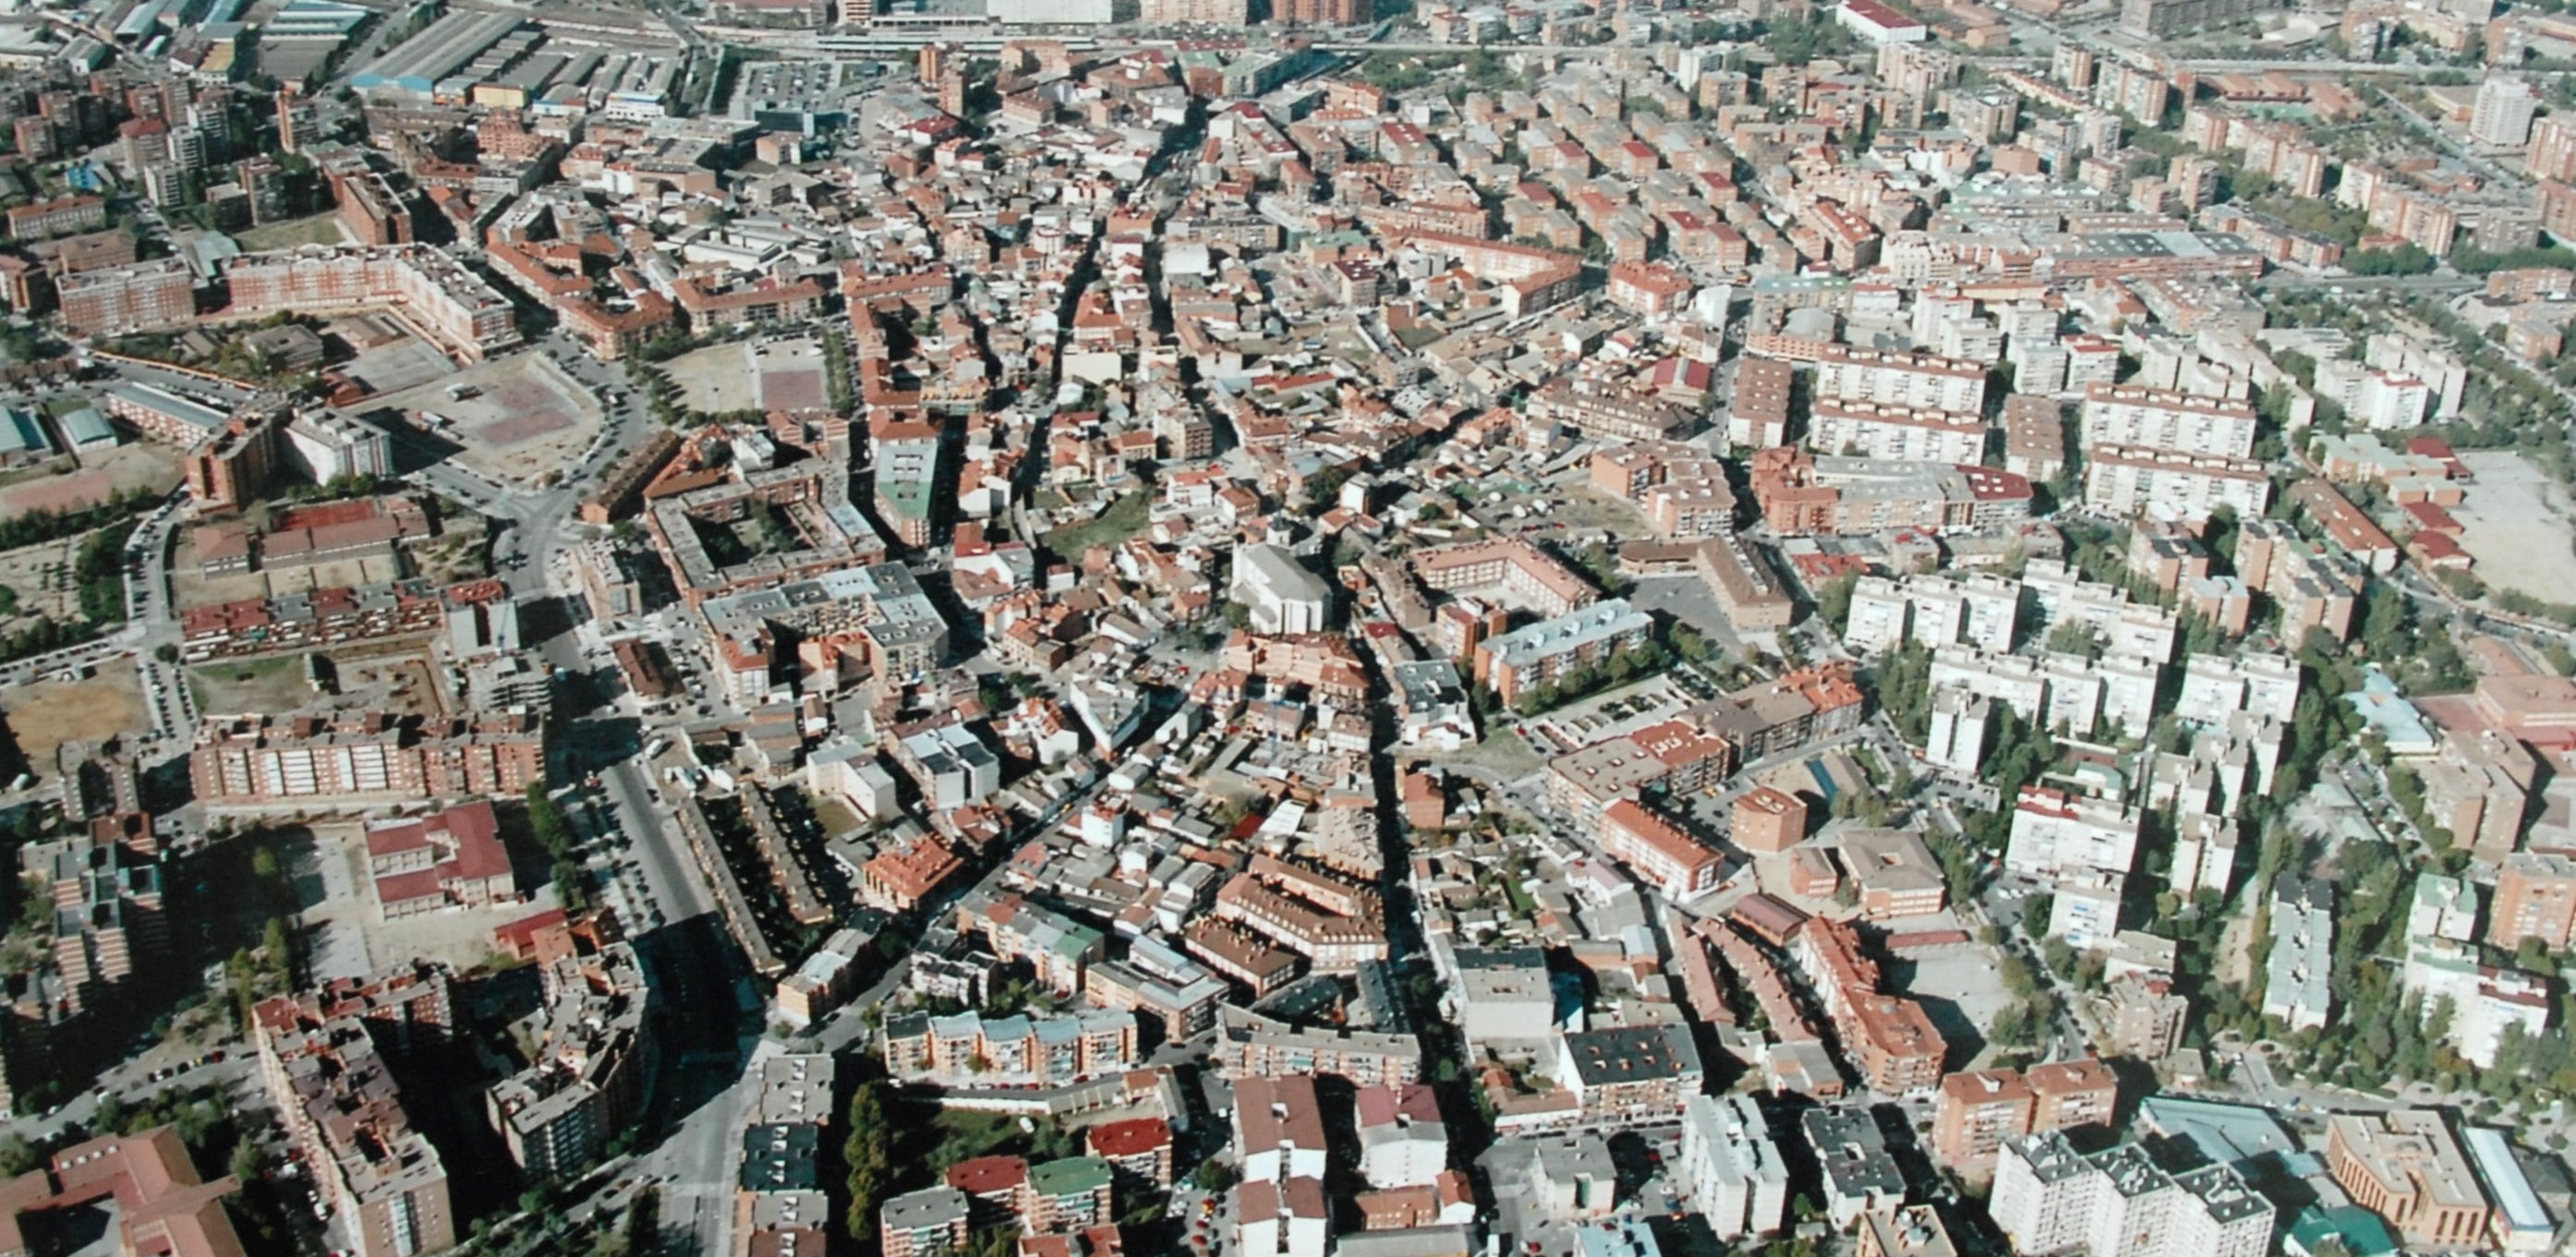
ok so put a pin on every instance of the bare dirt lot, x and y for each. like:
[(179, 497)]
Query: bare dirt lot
[(40, 577), (715, 379), (2514, 524), (274, 684), (789, 374), (527, 417), (384, 678), (99, 476), (49, 713)]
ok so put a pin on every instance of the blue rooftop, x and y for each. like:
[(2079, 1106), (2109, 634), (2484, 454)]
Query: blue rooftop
[(2386, 710)]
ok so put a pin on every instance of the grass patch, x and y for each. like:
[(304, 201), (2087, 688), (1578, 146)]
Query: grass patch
[(1125, 518), (272, 684), (934, 1138), (323, 228)]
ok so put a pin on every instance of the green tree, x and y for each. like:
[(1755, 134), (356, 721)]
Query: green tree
[(869, 1152), (1833, 602)]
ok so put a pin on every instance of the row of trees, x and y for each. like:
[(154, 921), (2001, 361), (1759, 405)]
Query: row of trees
[(1619, 669), (32, 527), (553, 832)]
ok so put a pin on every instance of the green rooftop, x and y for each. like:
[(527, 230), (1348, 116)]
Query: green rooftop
[(2359, 1230), (1070, 1176)]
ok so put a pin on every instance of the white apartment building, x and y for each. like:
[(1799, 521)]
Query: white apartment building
[(2084, 908), (1956, 739), (2445, 371), (2215, 687), (1895, 432), (1979, 611), (2127, 629), (2502, 115), (2160, 419), (2443, 907), (2374, 397), (2116, 1203), (2054, 833), (1893, 378), (2204, 853), (1732, 1167), (2131, 480), (2298, 974), (1402, 1140), (2055, 691)]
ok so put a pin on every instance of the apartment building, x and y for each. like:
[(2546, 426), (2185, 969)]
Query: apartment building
[(1758, 417), (1507, 566), (590, 1056), (1249, 1044), (1732, 1166), (430, 293), (1987, 1108), (321, 1058), (2487, 1001), (1057, 947), (61, 216), (1629, 1073), (2118, 1203), (1850, 373), (1279, 1128), (2300, 967), (363, 756), (1977, 1113), (2535, 898), (1895, 432), (932, 1222), (1336, 925), (1979, 610), (119, 301), (2312, 590), (1889, 1039), (2215, 687), (965, 1049), (2054, 832), (1801, 493), (2160, 419), (2056, 690), (2130, 480), (1549, 651), (1659, 851)]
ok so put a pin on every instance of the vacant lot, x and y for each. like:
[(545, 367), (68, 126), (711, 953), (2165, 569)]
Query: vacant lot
[(49, 713), (2515, 524), (1956, 984), (321, 228), (380, 677), (100, 475), (526, 419), (228, 686), (1125, 518), (788, 374), (38, 579), (715, 379)]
